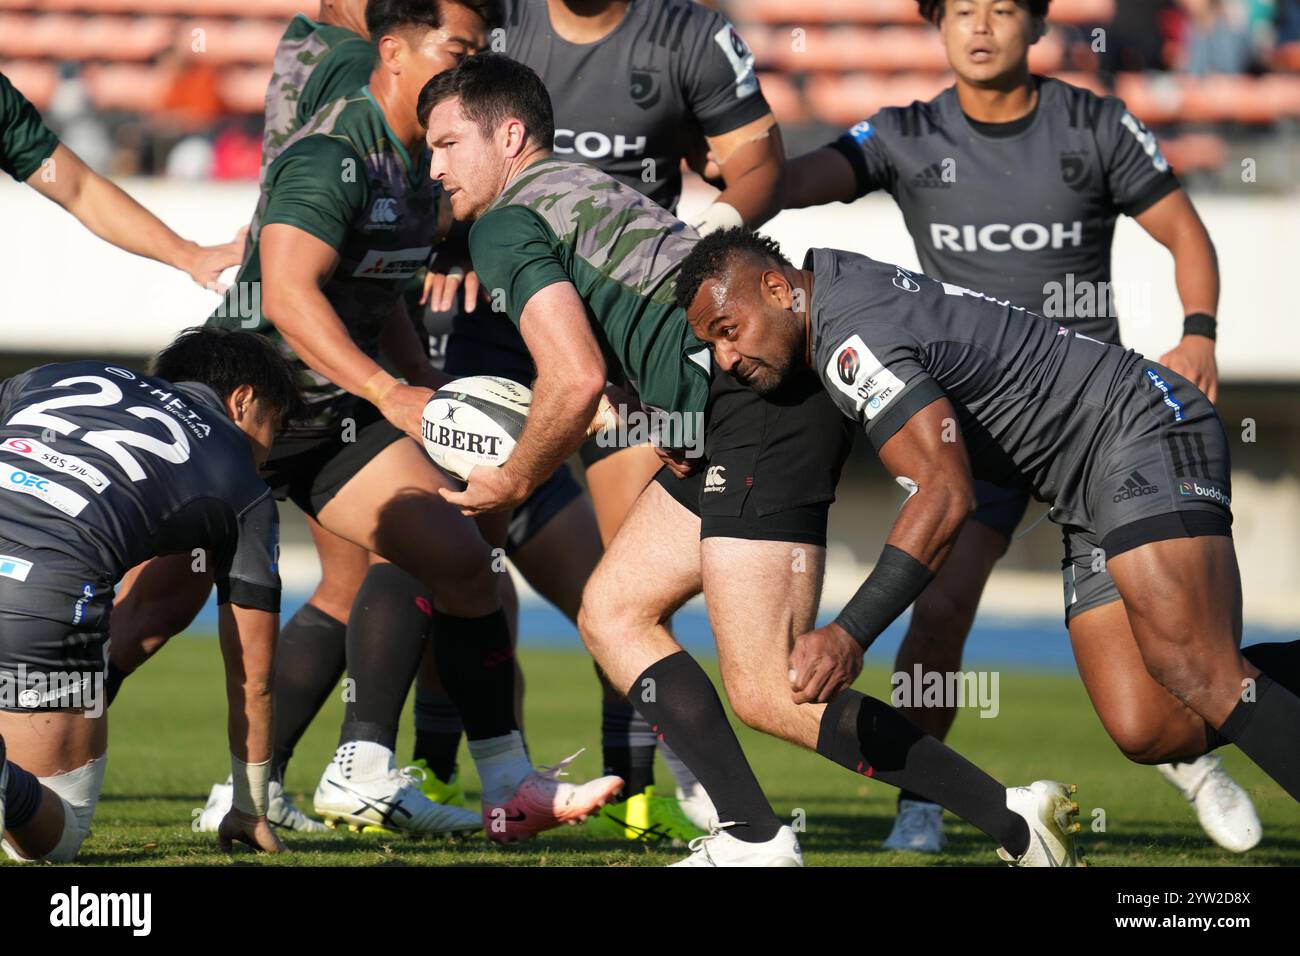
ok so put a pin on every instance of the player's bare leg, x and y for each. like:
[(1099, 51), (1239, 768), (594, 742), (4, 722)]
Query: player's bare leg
[(1150, 725), (412, 526), (615, 481), (756, 615), (942, 617), (66, 751), (1183, 599)]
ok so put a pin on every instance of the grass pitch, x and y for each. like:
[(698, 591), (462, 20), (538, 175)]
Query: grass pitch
[(168, 747)]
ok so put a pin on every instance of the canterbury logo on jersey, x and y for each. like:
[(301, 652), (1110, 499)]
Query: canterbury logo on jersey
[(592, 144), (715, 479), (392, 263), (384, 210), (1004, 237), (855, 371)]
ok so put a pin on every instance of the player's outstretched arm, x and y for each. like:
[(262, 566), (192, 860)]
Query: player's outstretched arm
[(248, 648), (929, 453), (295, 264), (115, 217), (566, 393), (752, 161), (1174, 223), (819, 177)]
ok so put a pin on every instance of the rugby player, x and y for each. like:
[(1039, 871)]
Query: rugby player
[(952, 385), (1011, 183), (101, 467), (346, 216), (587, 269), (31, 153), (668, 76)]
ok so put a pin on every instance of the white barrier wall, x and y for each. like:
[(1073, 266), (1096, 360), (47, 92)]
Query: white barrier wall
[(64, 290)]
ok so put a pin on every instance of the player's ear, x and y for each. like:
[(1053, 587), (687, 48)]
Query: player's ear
[(239, 403), (391, 48), (776, 288)]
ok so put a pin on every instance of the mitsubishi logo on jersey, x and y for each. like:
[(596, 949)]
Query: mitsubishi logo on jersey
[(392, 263), (384, 210), (592, 144), (715, 479), (1003, 237)]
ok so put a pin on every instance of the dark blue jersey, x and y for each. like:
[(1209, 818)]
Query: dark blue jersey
[(111, 467)]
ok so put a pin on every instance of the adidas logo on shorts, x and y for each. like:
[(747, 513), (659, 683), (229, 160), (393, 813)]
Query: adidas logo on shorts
[(1135, 486)]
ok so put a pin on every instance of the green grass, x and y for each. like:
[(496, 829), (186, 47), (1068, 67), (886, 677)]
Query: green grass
[(168, 747)]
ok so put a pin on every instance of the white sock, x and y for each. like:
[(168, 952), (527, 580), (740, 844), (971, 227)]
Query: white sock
[(681, 773), (364, 760), (502, 765)]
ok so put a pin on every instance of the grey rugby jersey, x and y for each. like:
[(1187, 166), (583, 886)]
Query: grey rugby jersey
[(1032, 397), (670, 72), (1027, 217)]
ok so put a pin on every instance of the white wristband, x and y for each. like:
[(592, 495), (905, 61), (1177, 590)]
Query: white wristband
[(716, 217), (250, 782)]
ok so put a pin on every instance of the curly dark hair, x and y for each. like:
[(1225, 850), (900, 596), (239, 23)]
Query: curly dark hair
[(932, 10), (712, 254), (224, 359), (386, 16)]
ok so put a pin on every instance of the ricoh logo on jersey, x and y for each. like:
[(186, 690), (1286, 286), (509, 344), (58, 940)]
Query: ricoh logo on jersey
[(593, 144), (1196, 489), (1005, 237)]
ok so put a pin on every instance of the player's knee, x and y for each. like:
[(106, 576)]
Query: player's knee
[(1144, 740), (78, 791), (606, 611)]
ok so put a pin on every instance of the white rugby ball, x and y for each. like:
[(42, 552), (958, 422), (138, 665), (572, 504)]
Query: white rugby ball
[(474, 421)]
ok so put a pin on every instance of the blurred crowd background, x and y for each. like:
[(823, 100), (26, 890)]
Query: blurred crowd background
[(175, 88)]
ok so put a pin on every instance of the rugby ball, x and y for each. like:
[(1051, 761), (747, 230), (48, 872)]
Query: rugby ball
[(474, 421)]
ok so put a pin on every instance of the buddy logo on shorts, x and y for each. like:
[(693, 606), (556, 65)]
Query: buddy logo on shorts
[(856, 372), (1196, 489)]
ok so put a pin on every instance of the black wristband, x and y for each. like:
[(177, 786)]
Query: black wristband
[(896, 581), (1200, 323)]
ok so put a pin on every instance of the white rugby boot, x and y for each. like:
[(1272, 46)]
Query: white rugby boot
[(918, 828), (697, 806), (388, 800), (720, 848), (1048, 809), (281, 811), (1222, 805)]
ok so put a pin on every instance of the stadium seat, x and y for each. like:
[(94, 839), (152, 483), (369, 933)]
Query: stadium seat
[(125, 86), (243, 89), (824, 11), (844, 100), (35, 80)]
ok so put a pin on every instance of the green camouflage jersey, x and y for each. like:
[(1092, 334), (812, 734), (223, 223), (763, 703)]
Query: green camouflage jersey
[(346, 179), (315, 64), (561, 221), (25, 141)]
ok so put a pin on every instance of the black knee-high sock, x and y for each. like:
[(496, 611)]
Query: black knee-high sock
[(309, 657), (628, 746), (684, 709), (438, 729), (871, 738), (387, 631), (477, 666), (1280, 661), (1266, 730)]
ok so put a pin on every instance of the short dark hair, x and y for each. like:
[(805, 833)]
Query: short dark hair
[(224, 359), (711, 255), (932, 10), (385, 16), (492, 88)]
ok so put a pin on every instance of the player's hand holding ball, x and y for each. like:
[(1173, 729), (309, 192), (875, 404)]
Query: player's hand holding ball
[(403, 406), (823, 663), (253, 831)]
